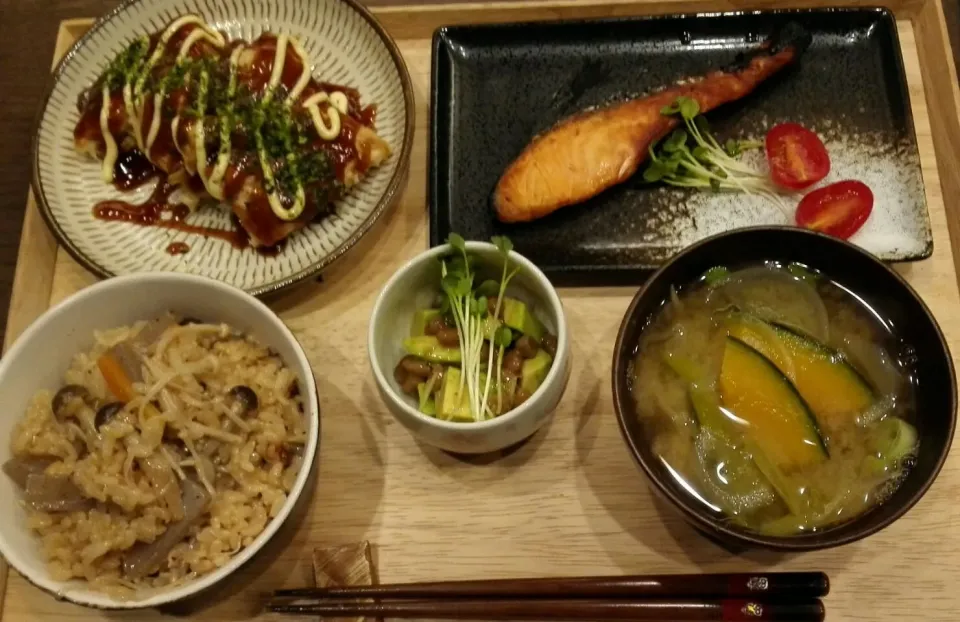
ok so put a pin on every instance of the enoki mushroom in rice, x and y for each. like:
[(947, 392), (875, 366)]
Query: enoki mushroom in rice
[(169, 446)]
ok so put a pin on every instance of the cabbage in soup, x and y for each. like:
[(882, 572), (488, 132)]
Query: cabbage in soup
[(775, 397)]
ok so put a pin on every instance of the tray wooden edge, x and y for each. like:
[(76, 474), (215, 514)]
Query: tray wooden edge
[(419, 21), (942, 93), (37, 255), (36, 259)]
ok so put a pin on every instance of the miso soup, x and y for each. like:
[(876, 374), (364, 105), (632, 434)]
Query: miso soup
[(776, 397)]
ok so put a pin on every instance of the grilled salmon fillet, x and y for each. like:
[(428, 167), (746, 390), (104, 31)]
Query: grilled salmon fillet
[(591, 151)]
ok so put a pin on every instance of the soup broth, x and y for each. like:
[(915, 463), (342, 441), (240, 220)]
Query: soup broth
[(776, 397)]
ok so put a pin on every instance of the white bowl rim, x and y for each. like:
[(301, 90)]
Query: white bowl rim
[(91, 598), (555, 370)]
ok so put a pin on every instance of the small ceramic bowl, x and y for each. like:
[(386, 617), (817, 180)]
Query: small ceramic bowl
[(414, 287), (881, 289), (42, 354)]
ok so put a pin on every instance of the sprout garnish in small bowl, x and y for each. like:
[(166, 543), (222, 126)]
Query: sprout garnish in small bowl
[(468, 345), (473, 328)]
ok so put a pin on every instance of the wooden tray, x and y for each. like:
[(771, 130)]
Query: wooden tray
[(570, 501)]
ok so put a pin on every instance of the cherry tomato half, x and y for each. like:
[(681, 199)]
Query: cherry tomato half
[(839, 209), (796, 155)]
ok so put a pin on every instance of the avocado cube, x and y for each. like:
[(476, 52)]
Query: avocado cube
[(428, 348), (490, 326), (453, 404), (534, 371), (420, 320), (429, 407), (427, 404), (518, 316)]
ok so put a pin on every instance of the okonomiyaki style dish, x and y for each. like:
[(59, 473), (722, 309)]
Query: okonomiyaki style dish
[(252, 155)]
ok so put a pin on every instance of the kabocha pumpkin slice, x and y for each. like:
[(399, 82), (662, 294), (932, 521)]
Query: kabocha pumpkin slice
[(827, 382), (762, 337), (775, 415), (831, 386), (706, 406)]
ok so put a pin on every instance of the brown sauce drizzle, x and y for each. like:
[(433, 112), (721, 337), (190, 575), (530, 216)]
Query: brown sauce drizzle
[(132, 169), (177, 248), (368, 116), (157, 211), (343, 148)]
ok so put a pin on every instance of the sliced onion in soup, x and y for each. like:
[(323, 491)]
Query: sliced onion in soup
[(778, 296), (872, 361), (729, 474)]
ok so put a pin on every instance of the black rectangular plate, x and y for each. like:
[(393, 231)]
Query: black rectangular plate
[(496, 86)]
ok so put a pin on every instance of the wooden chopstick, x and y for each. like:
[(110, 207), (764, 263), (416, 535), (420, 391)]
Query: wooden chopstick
[(732, 610), (769, 585)]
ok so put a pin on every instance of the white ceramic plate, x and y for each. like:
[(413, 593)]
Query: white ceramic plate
[(346, 46)]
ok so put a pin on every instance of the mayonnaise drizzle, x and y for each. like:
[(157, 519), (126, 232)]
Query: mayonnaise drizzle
[(110, 151), (304, 78), (338, 105), (154, 121), (194, 37), (130, 105), (165, 38), (279, 59), (174, 128), (215, 184), (158, 51), (131, 111), (299, 201), (199, 141), (270, 184)]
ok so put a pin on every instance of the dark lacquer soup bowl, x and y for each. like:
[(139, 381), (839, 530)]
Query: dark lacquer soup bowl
[(922, 358)]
